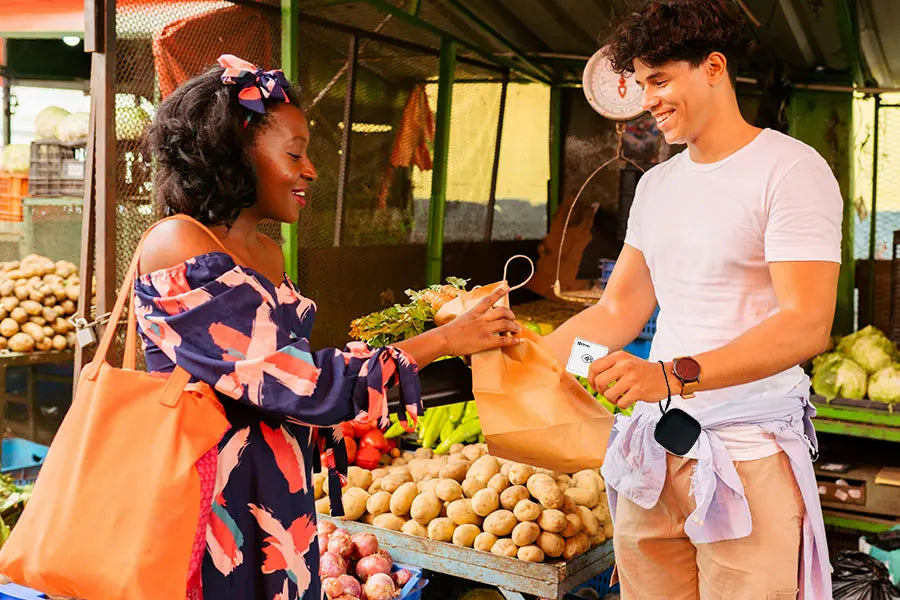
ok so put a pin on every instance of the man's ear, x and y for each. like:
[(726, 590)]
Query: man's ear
[(716, 68)]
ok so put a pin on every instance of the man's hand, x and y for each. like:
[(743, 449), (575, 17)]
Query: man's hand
[(632, 379)]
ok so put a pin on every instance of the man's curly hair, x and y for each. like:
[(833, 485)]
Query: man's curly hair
[(199, 142), (659, 31)]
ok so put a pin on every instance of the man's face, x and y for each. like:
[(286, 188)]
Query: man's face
[(678, 95)]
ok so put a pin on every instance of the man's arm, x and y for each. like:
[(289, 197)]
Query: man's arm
[(616, 320), (806, 293)]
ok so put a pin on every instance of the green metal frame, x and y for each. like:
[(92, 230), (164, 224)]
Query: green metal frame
[(437, 207), (856, 524), (873, 215), (556, 144), (845, 14), (290, 52)]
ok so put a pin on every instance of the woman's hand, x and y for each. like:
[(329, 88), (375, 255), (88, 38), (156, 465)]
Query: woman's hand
[(480, 328), (633, 379)]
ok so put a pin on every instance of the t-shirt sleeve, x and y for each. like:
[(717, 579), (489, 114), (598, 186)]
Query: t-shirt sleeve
[(804, 214), (633, 232)]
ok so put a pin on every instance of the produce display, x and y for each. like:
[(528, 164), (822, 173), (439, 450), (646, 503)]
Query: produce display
[(37, 296), (471, 499), (366, 445), (864, 364), (354, 567), (450, 424)]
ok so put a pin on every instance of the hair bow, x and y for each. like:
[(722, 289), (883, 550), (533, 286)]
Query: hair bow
[(256, 84)]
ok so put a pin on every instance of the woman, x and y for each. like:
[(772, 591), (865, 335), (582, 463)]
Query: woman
[(231, 149)]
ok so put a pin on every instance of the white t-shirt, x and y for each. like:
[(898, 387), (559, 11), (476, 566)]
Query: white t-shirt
[(708, 232)]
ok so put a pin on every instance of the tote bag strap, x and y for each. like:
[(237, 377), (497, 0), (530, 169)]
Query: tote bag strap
[(126, 293)]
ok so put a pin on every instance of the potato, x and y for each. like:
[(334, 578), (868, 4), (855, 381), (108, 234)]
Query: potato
[(552, 544), (553, 521), (512, 496), (34, 330), (458, 458), (484, 468), (608, 529), (389, 521), (391, 482), (472, 452), (3, 313), (484, 541), (9, 327), (375, 486), (44, 345), (588, 521), (4, 343), (368, 519), (429, 485), (38, 320), (402, 498), (587, 479), (9, 304), (412, 527), (379, 473), (323, 506), (441, 529), (36, 294), (72, 292), (519, 474), (19, 315), (498, 482), (6, 287), (573, 526), (378, 503), (485, 501), (465, 535), (449, 490), (398, 462), (21, 342), (568, 506), (530, 554), (454, 470), (32, 308), (582, 497), (576, 546), (461, 512), (526, 510), (601, 511), (318, 484), (424, 453), (544, 488), (500, 523), (70, 339), (22, 292), (354, 500), (525, 534), (457, 448), (425, 508), (471, 486), (357, 477), (68, 307), (49, 314), (48, 332), (505, 547)]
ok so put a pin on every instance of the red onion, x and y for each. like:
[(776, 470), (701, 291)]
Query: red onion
[(333, 587), (325, 527), (340, 543), (332, 565), (366, 544), (352, 586), (379, 586), (385, 554), (371, 565), (323, 543), (401, 577)]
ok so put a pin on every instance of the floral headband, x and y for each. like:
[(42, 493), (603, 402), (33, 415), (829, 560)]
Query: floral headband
[(256, 84)]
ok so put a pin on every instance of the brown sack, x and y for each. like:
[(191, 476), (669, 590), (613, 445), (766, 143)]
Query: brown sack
[(531, 410)]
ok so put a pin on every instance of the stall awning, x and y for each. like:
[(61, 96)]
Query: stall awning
[(47, 18)]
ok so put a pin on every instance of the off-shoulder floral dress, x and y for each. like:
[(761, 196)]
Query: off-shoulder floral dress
[(248, 338)]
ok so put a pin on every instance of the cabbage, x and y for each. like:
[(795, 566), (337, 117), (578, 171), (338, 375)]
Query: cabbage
[(884, 385), (835, 375), (73, 127), (47, 120), (15, 158), (869, 348), (131, 122)]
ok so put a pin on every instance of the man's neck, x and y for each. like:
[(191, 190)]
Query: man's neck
[(724, 135)]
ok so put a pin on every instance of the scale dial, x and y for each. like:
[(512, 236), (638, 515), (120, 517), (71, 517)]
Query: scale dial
[(614, 96)]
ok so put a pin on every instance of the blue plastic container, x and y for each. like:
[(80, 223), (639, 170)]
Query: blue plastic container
[(640, 348), (599, 584), (11, 591), (22, 459)]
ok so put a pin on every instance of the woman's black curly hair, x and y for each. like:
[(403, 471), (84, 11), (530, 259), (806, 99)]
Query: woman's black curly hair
[(199, 142), (659, 31)]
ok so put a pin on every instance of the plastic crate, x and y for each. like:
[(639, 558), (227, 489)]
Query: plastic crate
[(599, 584), (57, 168), (649, 329), (13, 187), (22, 459), (606, 269), (11, 591), (640, 348), (413, 588)]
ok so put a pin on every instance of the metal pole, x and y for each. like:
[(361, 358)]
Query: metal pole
[(446, 76), (344, 172), (290, 54), (872, 216), (105, 158), (6, 114), (556, 138), (495, 169)]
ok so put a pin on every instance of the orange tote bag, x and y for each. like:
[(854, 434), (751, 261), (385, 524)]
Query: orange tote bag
[(116, 506)]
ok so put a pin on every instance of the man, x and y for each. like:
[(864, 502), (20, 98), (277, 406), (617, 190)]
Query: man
[(738, 240)]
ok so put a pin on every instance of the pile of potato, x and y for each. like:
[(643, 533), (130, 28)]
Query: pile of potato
[(37, 296), (475, 500)]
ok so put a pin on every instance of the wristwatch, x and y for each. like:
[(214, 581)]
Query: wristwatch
[(687, 370)]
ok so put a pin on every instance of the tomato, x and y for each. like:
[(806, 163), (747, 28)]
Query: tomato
[(375, 439), (348, 430), (351, 449), (360, 429), (368, 457)]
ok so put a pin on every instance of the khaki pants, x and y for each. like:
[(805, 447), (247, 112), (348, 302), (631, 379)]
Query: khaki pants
[(657, 561)]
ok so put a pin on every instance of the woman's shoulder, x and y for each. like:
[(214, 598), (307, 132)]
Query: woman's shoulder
[(171, 243)]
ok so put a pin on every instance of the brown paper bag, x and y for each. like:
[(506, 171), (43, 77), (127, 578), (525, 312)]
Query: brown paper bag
[(531, 410)]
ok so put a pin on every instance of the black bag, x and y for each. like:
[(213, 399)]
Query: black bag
[(858, 576)]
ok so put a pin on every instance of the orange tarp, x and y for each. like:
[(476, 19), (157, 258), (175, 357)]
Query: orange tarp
[(36, 16)]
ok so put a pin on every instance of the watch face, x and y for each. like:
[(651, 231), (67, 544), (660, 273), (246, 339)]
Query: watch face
[(687, 369), (613, 95)]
